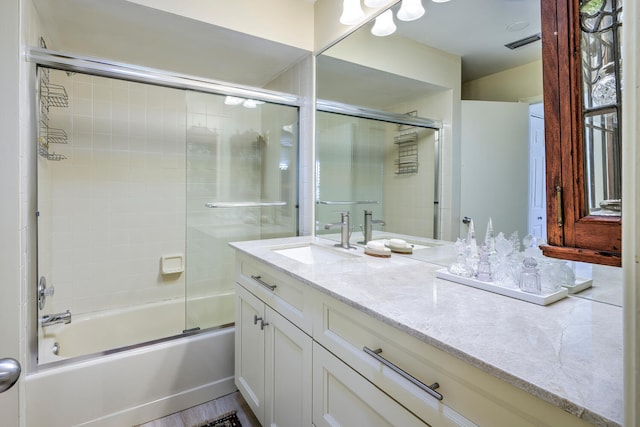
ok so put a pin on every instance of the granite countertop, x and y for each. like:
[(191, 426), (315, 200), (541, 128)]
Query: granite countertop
[(568, 353)]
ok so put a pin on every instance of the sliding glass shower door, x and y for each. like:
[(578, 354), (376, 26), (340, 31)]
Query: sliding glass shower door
[(140, 189), (241, 185)]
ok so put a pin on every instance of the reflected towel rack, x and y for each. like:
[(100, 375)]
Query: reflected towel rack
[(244, 204), (348, 202)]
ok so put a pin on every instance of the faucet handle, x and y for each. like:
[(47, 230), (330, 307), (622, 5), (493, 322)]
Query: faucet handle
[(44, 292)]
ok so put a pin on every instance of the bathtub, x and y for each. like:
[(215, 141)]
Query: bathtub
[(134, 385), (92, 333)]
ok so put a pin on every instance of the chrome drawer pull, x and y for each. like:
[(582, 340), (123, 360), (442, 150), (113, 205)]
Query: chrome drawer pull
[(263, 283), (431, 389)]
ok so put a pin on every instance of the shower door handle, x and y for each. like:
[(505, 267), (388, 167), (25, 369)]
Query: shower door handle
[(9, 373)]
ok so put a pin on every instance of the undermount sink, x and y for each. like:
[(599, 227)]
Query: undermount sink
[(310, 253)]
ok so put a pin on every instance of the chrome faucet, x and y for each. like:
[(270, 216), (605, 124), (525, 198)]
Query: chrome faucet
[(345, 230), (52, 319), (368, 226)]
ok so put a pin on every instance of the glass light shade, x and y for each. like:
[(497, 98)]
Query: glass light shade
[(410, 10), (384, 24), (352, 12), (375, 3), (439, 1)]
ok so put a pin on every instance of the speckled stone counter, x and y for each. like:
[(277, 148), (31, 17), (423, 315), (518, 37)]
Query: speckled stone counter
[(568, 353)]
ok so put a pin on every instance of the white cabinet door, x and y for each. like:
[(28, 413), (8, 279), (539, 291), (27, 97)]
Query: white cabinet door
[(249, 351), (341, 397), (288, 373), (272, 363)]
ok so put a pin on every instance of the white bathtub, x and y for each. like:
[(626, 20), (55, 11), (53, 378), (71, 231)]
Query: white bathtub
[(99, 332), (128, 387)]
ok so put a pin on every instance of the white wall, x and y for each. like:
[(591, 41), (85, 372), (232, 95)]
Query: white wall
[(11, 263), (284, 21)]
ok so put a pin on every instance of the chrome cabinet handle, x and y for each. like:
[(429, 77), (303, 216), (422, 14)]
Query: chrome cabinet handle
[(262, 322), (431, 389), (263, 283)]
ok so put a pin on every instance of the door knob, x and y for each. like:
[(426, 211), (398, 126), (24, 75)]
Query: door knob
[(9, 373)]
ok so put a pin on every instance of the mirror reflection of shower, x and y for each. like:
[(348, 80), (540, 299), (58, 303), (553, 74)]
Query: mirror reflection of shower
[(125, 236), (388, 168)]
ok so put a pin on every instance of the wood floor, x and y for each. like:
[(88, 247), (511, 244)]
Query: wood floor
[(210, 410)]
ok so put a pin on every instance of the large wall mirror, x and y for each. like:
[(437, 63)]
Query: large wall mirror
[(432, 69), (484, 159)]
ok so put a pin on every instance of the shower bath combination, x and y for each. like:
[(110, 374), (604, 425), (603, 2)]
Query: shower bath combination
[(130, 173)]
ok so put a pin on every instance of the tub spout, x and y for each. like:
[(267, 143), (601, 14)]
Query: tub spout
[(52, 319)]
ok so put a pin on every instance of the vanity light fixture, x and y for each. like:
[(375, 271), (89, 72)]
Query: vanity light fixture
[(410, 10), (384, 24), (352, 12), (440, 1)]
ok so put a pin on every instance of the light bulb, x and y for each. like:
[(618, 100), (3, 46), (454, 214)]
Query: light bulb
[(352, 13), (375, 3), (384, 24), (410, 10)]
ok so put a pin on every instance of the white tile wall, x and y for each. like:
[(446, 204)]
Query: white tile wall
[(116, 204)]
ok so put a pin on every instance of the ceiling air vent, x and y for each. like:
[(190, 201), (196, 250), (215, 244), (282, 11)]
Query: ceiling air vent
[(523, 42)]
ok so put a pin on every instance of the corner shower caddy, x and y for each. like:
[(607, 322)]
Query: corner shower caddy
[(50, 95)]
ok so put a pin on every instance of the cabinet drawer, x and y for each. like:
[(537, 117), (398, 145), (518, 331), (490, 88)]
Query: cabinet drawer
[(281, 292), (469, 395), (342, 398)]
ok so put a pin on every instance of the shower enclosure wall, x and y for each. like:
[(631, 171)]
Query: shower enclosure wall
[(140, 188)]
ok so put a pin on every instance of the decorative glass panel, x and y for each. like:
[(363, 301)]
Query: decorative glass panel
[(600, 27)]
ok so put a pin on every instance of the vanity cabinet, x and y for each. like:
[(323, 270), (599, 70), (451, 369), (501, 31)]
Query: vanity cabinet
[(327, 363), (406, 368), (582, 111)]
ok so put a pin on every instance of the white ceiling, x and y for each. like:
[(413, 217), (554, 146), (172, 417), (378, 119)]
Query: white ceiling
[(477, 30)]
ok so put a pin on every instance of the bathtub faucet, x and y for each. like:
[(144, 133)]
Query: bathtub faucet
[(52, 319)]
